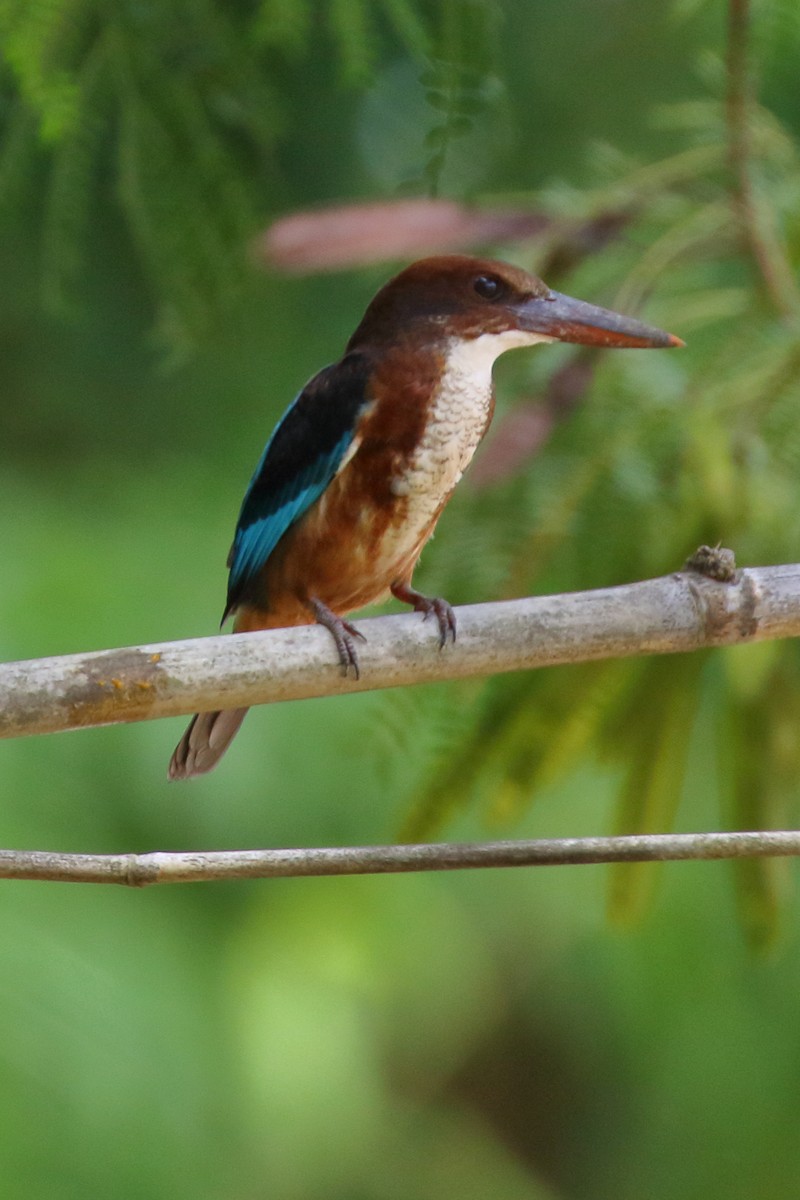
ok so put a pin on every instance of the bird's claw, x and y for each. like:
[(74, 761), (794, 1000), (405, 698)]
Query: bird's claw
[(344, 634), (441, 609), (445, 618)]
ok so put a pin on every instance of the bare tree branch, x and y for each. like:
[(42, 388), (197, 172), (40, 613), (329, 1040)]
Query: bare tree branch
[(141, 870), (676, 613), (710, 604)]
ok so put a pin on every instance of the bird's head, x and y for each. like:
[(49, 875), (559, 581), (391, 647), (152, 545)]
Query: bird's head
[(455, 297)]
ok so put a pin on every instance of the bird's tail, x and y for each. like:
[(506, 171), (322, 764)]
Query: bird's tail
[(205, 741), (209, 734)]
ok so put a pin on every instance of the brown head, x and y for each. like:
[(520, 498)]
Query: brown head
[(455, 296)]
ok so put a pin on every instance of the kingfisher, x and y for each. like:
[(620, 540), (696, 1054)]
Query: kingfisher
[(358, 470)]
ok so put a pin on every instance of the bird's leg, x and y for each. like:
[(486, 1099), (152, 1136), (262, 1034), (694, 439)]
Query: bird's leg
[(443, 611), (342, 633)]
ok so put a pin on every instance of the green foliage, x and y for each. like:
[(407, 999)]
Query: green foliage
[(460, 82), (164, 113), (156, 109), (354, 28), (700, 448), (42, 46), (165, 117)]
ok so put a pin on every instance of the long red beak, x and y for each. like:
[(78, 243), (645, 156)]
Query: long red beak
[(567, 320)]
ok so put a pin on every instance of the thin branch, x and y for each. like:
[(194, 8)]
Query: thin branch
[(141, 870), (676, 613), (756, 222)]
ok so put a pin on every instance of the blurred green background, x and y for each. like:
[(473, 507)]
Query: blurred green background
[(562, 1033)]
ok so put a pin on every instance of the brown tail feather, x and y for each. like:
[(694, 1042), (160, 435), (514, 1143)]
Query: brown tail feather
[(205, 741)]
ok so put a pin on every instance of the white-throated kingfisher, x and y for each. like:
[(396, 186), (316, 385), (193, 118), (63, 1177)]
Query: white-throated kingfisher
[(358, 470)]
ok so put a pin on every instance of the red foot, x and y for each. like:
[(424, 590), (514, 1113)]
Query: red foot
[(342, 633), (443, 611)]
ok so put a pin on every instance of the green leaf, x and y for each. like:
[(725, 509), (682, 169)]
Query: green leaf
[(653, 742)]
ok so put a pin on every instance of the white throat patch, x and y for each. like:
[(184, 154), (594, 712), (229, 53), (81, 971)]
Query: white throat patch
[(457, 418), (476, 356)]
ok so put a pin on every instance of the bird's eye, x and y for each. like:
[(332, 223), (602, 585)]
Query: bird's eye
[(488, 287)]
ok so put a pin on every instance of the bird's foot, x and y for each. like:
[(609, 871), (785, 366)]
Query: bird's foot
[(445, 616), (343, 634)]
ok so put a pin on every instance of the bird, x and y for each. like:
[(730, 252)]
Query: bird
[(358, 470)]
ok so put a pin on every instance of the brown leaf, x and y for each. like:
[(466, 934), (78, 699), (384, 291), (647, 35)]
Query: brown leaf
[(354, 235)]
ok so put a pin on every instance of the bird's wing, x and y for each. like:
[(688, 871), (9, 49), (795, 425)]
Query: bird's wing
[(301, 458)]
